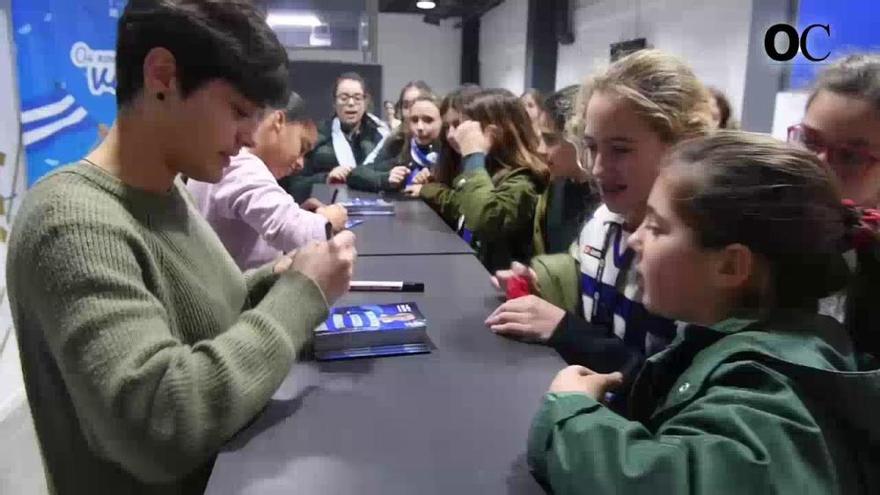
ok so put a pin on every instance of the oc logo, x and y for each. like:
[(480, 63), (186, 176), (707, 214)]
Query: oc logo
[(794, 40)]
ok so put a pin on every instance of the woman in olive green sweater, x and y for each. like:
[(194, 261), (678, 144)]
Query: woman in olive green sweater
[(503, 176), (144, 349), (758, 394)]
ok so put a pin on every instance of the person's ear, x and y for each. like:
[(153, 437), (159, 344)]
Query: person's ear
[(160, 73), (279, 120), (734, 266)]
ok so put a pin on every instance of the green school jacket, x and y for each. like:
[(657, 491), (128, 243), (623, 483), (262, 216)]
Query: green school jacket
[(560, 215), (322, 159), (374, 177), (744, 407), (559, 280), (499, 210), (442, 199)]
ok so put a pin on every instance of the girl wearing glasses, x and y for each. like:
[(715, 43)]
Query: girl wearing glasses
[(842, 126), (587, 304), (349, 139)]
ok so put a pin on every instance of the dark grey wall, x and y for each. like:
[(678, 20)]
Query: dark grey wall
[(764, 76)]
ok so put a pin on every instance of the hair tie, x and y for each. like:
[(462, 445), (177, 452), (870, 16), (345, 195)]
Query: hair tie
[(862, 225)]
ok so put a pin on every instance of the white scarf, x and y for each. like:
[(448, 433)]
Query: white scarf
[(607, 269), (342, 148)]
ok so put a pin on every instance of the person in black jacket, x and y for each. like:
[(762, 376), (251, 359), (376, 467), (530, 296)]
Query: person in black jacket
[(349, 139)]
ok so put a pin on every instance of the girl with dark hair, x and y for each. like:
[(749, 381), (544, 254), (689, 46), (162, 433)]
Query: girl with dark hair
[(503, 175), (407, 154), (534, 101), (572, 196), (758, 394), (254, 217), (842, 127), (435, 186), (346, 141)]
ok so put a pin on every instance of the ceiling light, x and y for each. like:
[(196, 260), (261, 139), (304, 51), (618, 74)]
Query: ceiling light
[(426, 4), (289, 19)]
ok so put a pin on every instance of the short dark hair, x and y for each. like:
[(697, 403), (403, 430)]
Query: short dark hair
[(210, 39), (351, 76), (560, 106), (724, 121), (295, 109)]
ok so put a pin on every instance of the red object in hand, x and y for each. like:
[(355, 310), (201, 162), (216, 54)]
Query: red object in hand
[(517, 287)]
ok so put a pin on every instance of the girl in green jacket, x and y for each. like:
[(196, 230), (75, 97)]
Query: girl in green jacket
[(503, 177), (759, 394)]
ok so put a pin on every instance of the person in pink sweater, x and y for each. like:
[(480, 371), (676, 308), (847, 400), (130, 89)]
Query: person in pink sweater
[(254, 217)]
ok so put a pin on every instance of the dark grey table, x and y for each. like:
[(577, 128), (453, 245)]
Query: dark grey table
[(415, 228), (451, 422)]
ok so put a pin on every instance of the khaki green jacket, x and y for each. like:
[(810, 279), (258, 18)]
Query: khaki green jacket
[(498, 210)]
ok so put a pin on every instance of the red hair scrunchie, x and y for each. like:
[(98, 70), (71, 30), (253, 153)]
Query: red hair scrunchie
[(863, 225)]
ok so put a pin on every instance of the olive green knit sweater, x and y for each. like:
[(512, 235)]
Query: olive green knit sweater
[(143, 347)]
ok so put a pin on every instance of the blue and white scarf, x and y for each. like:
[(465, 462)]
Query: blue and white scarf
[(420, 160), (610, 291), (342, 147)]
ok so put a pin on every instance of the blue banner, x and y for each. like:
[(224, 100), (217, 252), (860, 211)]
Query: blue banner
[(853, 26), (66, 75)]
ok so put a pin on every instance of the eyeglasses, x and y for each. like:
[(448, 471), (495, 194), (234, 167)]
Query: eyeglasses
[(344, 98), (845, 155)]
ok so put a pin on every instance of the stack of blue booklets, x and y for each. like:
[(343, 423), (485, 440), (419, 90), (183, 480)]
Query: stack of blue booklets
[(371, 207), (372, 331)]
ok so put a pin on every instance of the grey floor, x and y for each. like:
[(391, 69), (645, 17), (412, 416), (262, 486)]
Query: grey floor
[(21, 468)]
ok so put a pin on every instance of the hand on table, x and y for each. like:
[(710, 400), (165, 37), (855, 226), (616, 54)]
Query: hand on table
[(397, 175), (517, 269), (335, 214), (579, 379), (423, 177), (528, 318), (329, 264), (413, 190), (339, 175)]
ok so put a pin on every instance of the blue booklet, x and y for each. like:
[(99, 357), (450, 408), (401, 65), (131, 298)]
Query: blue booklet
[(358, 206), (371, 331)]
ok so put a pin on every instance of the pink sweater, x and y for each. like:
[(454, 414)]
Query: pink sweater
[(253, 216)]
